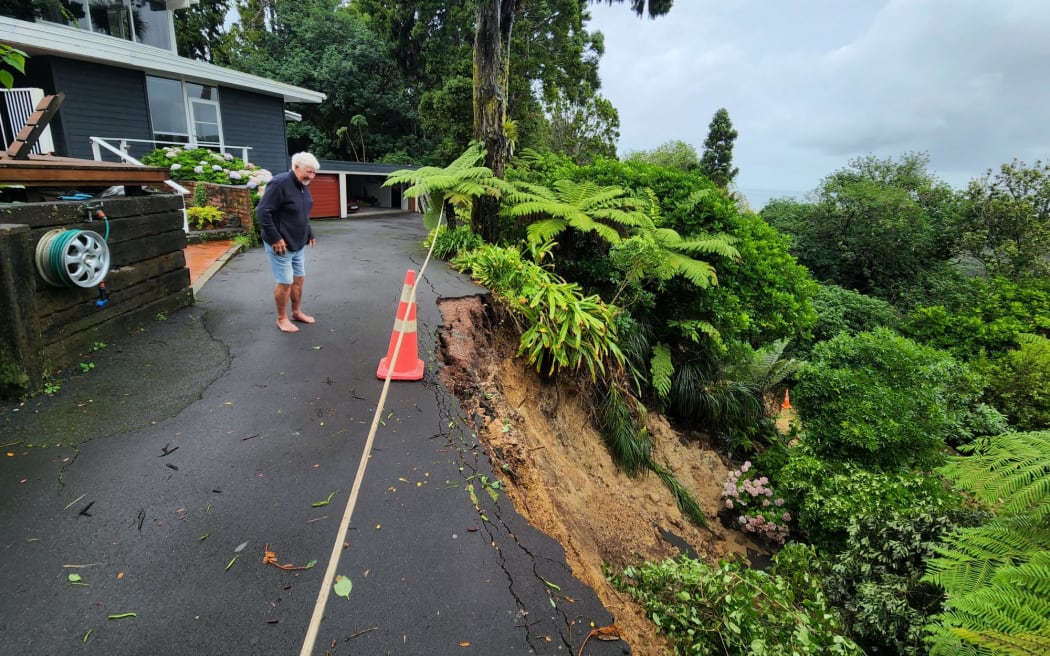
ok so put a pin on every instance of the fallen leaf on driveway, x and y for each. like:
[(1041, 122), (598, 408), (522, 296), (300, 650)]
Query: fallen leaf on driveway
[(342, 586), (324, 502)]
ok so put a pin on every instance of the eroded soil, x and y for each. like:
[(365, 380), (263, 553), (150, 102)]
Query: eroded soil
[(560, 475)]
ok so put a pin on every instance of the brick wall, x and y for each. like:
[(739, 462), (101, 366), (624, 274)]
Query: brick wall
[(234, 200)]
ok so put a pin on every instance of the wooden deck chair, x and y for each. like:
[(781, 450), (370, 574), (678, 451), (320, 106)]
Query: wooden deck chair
[(35, 124)]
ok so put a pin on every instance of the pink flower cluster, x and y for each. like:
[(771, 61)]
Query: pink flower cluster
[(753, 499)]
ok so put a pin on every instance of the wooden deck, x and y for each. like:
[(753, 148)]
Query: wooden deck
[(67, 172)]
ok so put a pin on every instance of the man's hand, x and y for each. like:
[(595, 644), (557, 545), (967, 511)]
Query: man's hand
[(280, 247), (312, 241)]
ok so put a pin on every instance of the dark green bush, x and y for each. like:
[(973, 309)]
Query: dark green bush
[(876, 581), (841, 310), (1020, 384)]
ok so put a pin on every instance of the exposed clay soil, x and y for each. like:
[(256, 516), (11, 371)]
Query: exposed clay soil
[(560, 475)]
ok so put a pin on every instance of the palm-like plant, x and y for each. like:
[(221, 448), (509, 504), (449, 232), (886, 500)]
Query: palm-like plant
[(361, 123), (456, 185)]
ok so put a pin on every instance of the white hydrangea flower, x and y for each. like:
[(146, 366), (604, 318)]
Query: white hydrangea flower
[(198, 169), (176, 166)]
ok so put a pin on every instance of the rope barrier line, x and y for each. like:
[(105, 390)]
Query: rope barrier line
[(314, 626)]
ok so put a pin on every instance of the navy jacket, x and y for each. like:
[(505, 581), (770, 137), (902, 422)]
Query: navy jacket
[(284, 212)]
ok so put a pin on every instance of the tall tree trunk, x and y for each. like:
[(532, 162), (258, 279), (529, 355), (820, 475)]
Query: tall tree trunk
[(491, 45)]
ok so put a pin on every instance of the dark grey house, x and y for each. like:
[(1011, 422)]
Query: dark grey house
[(127, 89)]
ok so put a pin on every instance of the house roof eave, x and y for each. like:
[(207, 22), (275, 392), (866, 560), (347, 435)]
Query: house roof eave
[(43, 38)]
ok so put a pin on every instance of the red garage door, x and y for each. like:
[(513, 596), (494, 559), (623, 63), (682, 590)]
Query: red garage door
[(325, 191)]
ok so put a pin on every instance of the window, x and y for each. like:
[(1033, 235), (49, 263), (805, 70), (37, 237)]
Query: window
[(167, 109), (143, 21), (184, 113)]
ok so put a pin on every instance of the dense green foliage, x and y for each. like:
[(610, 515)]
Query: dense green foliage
[(731, 609), (841, 310), (1019, 383), (318, 44), (200, 31), (982, 316), (879, 227), (672, 154)]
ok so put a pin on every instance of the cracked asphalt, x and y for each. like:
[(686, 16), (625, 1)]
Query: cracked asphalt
[(160, 475)]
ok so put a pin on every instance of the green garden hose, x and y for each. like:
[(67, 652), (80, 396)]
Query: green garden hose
[(73, 258)]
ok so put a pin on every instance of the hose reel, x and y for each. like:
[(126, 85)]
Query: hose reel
[(72, 258)]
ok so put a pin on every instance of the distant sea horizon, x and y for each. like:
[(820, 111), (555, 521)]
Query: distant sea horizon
[(757, 197)]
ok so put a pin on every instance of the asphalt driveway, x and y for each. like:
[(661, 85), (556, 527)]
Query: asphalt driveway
[(160, 475)]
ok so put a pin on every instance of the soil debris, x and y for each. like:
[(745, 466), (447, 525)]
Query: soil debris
[(559, 474)]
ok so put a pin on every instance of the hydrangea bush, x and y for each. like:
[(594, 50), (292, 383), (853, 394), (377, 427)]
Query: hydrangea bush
[(203, 165), (760, 511)]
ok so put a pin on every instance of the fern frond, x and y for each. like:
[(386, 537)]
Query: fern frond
[(709, 244), (1011, 471), (1033, 575), (661, 368), (969, 558), (698, 272), (545, 230), (1001, 643)]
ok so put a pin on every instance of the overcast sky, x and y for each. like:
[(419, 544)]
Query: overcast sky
[(812, 84)]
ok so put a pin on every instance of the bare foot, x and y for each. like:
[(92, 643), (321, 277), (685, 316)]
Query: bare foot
[(302, 317), (287, 326)]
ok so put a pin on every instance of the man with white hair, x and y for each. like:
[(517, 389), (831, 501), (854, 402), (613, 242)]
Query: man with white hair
[(284, 218)]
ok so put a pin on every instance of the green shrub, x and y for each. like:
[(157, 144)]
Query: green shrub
[(200, 195), (205, 218), (449, 243), (1020, 383), (731, 609), (844, 310), (982, 316), (562, 328), (882, 400), (829, 496)]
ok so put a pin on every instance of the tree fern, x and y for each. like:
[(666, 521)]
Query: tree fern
[(585, 206), (457, 184), (997, 576), (1010, 471)]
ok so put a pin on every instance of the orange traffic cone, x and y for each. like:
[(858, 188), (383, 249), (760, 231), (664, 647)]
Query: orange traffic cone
[(407, 366), (786, 405)]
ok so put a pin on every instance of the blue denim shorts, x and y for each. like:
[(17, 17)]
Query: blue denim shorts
[(292, 263)]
